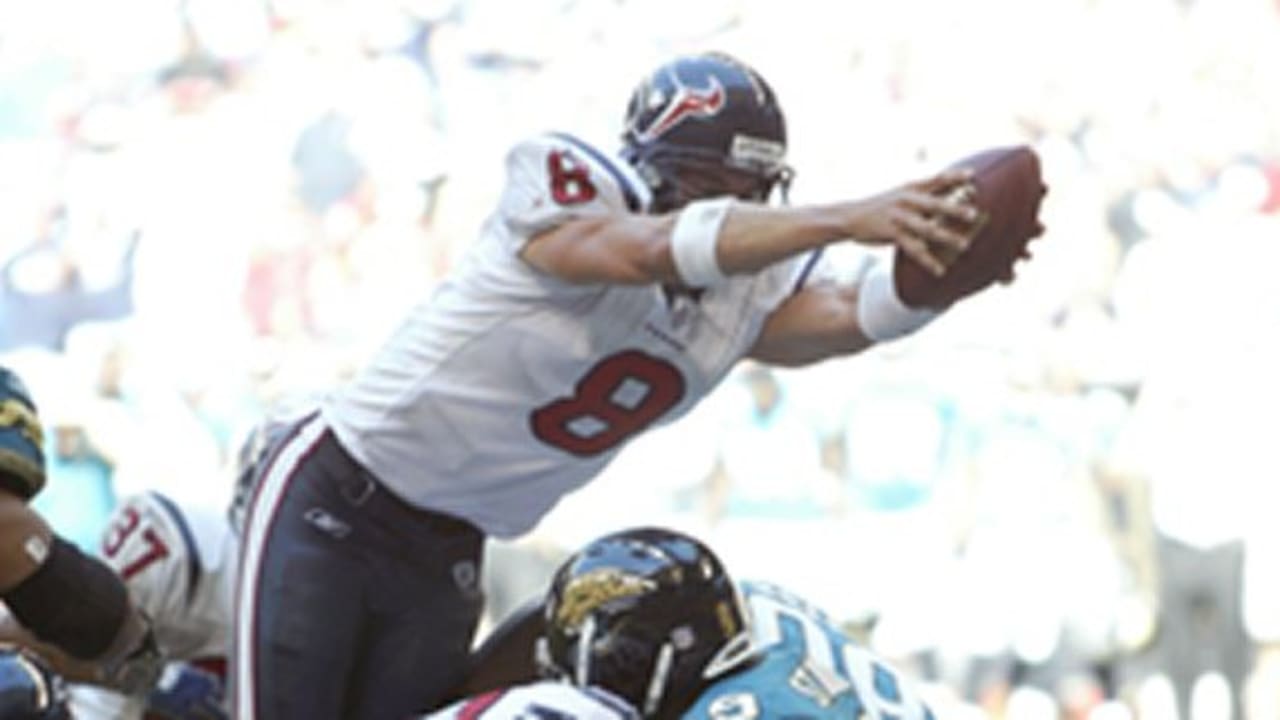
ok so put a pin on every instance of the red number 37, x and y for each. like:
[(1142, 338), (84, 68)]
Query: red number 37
[(124, 527)]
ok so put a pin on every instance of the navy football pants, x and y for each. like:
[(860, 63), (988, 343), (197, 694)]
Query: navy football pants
[(351, 603)]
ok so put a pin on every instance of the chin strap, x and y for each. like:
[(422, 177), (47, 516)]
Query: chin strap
[(783, 183)]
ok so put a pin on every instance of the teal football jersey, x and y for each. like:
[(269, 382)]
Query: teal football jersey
[(807, 669)]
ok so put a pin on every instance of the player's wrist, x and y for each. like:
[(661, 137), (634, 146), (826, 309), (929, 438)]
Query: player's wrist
[(859, 221), (133, 663), (882, 314), (694, 239)]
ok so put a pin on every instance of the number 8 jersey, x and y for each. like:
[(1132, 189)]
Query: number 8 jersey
[(508, 387)]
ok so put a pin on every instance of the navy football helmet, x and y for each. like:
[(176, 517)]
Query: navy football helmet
[(703, 126), (22, 468), (649, 615), (28, 689)]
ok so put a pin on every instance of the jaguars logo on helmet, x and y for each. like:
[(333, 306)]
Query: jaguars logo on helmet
[(590, 590)]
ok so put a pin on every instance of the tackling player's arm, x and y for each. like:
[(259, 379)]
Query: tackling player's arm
[(740, 238), (66, 606), (19, 527), (69, 668), (61, 596)]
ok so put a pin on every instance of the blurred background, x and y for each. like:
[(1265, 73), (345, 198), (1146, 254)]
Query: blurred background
[(1052, 503)]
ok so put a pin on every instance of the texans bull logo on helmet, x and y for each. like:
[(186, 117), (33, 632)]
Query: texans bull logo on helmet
[(684, 103)]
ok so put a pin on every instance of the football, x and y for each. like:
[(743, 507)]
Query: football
[(1007, 188)]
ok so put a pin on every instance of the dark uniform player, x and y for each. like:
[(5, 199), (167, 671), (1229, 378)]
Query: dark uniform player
[(65, 599), (649, 619)]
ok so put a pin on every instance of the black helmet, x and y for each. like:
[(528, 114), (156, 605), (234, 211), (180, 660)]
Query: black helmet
[(712, 114), (28, 689), (647, 614), (21, 438)]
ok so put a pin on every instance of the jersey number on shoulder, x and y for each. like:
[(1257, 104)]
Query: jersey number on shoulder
[(570, 179), (124, 527), (617, 398), (820, 676)]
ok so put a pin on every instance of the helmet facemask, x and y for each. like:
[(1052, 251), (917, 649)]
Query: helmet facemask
[(678, 177)]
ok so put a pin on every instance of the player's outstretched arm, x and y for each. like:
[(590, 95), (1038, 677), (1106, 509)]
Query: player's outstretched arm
[(710, 239), (67, 667), (898, 295)]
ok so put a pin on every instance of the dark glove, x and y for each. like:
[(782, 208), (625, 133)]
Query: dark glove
[(186, 692)]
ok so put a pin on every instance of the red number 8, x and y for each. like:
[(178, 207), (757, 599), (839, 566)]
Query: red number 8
[(570, 180), (593, 398)]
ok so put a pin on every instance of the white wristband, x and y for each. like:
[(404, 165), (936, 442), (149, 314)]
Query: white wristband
[(693, 242), (882, 315)]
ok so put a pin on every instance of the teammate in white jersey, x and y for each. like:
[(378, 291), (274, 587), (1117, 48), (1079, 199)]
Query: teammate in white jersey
[(648, 619), (179, 564), (604, 295)]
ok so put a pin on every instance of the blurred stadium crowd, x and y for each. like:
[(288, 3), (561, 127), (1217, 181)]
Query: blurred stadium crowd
[(1055, 502)]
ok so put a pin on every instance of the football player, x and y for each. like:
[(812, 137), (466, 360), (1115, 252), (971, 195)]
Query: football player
[(63, 602), (179, 564), (806, 668), (646, 623), (605, 294)]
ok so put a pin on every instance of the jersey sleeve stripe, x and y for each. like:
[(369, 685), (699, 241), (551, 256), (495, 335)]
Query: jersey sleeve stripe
[(188, 540), (807, 270), (629, 193), (476, 706)]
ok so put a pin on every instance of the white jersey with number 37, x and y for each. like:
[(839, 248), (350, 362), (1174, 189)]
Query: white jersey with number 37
[(179, 564), (508, 388)]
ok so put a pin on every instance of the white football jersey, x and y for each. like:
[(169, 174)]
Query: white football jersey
[(544, 699), (179, 565), (508, 388)]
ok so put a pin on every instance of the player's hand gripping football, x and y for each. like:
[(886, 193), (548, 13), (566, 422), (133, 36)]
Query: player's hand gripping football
[(1007, 188), (931, 221)]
